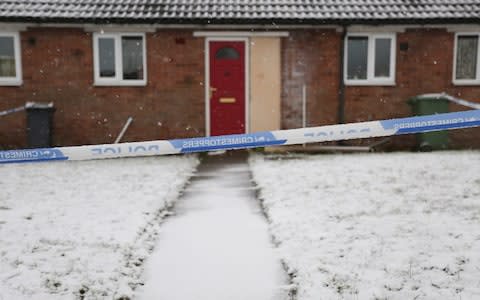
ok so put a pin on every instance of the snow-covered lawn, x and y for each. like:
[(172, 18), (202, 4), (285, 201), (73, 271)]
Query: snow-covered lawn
[(376, 226), (82, 229)]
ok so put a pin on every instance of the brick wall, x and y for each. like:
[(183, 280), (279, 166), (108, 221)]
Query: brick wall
[(312, 57), (58, 67)]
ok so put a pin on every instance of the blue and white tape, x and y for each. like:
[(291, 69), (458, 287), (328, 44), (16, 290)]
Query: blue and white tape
[(338, 132), (235, 141), (32, 155)]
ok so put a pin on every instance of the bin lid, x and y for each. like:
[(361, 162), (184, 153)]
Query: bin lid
[(37, 105), (428, 97)]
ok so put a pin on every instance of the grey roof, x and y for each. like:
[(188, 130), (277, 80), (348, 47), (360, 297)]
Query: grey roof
[(240, 11)]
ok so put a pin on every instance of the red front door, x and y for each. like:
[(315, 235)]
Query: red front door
[(227, 87)]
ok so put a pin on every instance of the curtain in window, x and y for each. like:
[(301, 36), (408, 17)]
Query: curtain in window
[(467, 49), (7, 57), (132, 57)]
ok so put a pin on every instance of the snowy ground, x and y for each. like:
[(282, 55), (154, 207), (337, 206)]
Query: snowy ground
[(82, 229), (376, 226)]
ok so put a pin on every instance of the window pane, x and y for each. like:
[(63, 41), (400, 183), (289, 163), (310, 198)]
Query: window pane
[(132, 57), (357, 58), (467, 48), (382, 57), (227, 53), (7, 57), (106, 50)]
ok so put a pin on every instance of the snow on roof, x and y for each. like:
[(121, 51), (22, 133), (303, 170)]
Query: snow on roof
[(235, 11)]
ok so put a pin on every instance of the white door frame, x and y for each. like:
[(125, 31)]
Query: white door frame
[(207, 79)]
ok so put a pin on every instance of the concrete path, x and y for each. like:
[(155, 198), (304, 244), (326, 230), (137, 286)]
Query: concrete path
[(217, 246)]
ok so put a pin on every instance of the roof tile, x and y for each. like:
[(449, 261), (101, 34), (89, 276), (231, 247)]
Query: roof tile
[(166, 11)]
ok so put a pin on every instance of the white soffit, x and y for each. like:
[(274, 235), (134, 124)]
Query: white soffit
[(240, 34)]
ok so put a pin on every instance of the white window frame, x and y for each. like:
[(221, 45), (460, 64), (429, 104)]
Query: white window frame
[(16, 80), (371, 79), (118, 79), (475, 81)]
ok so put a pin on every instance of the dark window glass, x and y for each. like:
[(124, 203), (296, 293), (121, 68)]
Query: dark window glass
[(227, 53), (7, 57), (357, 58), (106, 50), (132, 57), (382, 57), (467, 49)]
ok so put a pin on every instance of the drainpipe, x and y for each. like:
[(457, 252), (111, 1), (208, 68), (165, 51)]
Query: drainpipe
[(341, 89), (304, 106)]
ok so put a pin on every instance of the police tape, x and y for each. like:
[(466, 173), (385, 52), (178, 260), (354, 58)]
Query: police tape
[(337, 132)]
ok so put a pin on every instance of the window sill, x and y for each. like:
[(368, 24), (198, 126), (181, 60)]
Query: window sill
[(11, 82), (139, 83), (369, 83), (466, 82)]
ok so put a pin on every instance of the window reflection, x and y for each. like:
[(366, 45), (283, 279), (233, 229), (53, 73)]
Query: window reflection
[(357, 57), (7, 57), (106, 47), (382, 57)]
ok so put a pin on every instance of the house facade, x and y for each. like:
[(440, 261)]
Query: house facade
[(199, 68)]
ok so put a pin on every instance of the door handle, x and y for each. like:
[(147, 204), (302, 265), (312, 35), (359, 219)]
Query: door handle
[(212, 89)]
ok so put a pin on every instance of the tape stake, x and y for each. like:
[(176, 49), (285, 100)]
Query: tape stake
[(447, 121), (11, 111)]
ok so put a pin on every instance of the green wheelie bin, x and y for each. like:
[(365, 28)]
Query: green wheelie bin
[(430, 104)]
